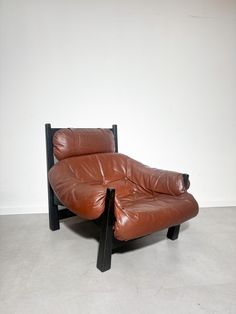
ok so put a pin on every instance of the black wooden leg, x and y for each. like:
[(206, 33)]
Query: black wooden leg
[(54, 218), (173, 232), (106, 236), (54, 223)]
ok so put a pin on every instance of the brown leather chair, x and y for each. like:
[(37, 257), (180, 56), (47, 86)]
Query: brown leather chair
[(92, 180)]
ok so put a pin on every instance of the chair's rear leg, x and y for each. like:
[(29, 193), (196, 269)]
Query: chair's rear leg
[(54, 222), (54, 218), (173, 232), (106, 236)]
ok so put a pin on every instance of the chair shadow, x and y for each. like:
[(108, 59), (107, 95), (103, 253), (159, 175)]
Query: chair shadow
[(84, 228), (89, 230), (147, 240)]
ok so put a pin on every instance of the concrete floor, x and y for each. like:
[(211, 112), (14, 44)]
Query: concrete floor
[(54, 272)]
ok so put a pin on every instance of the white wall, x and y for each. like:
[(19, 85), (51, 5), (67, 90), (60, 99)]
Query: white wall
[(163, 70)]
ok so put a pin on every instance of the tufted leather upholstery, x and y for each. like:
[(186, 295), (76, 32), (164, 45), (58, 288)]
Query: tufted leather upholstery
[(147, 199)]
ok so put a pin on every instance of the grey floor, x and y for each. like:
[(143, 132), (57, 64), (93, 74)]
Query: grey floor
[(54, 272)]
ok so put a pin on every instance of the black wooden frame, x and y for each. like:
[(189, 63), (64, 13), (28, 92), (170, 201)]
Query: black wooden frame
[(107, 242)]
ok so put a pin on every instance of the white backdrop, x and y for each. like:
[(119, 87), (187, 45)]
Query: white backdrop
[(163, 70)]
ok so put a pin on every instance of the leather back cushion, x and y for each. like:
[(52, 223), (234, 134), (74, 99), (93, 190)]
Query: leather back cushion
[(77, 142), (92, 169)]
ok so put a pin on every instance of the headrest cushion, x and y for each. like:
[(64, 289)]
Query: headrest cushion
[(77, 142)]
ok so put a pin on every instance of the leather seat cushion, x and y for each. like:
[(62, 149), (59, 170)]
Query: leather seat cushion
[(139, 214)]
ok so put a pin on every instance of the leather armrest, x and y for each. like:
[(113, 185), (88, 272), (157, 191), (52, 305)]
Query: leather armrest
[(84, 199), (156, 180)]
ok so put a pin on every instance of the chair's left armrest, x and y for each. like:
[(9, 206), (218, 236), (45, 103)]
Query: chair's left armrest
[(157, 180), (84, 199)]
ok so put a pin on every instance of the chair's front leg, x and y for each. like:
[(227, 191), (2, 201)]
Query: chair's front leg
[(173, 232), (106, 236)]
